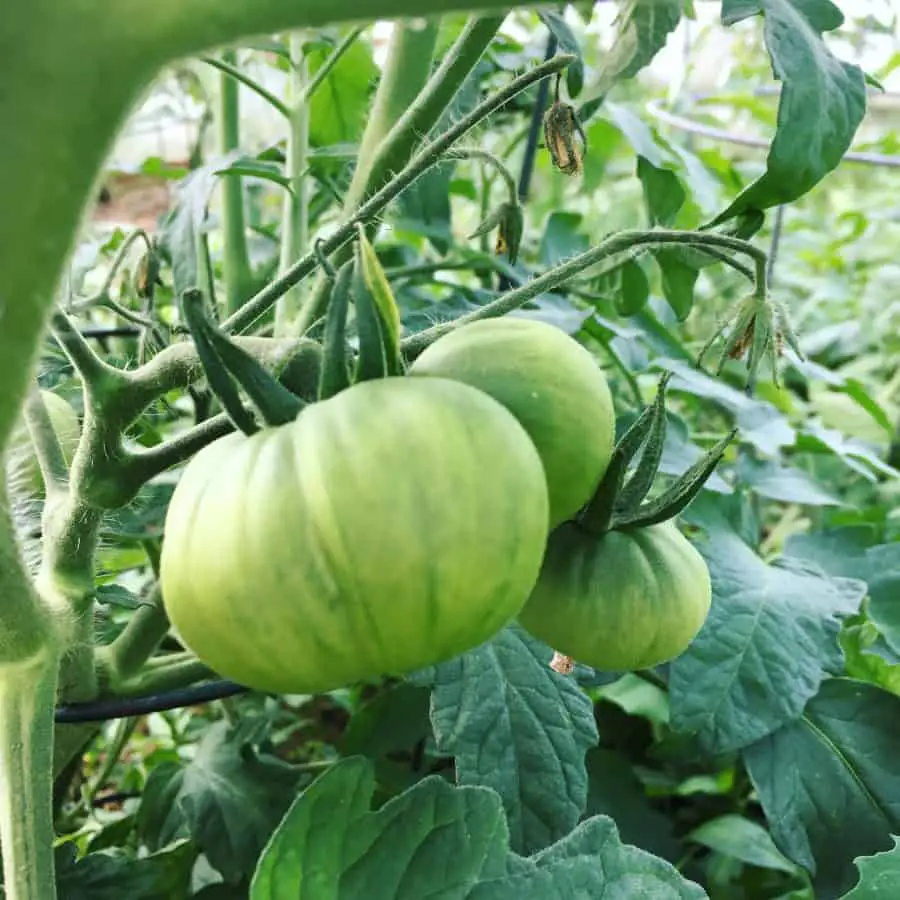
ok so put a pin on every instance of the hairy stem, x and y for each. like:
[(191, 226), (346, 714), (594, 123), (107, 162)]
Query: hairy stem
[(137, 642), (405, 134), (166, 675), (430, 155), (494, 161), (236, 261), (27, 702), (617, 244), (295, 211), (405, 73), (54, 470)]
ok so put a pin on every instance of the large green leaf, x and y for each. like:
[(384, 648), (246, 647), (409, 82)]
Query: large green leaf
[(566, 43), (228, 798), (443, 842), (338, 109), (114, 874), (642, 29), (829, 782), (769, 640), (879, 875), (850, 552), (748, 841), (182, 228), (516, 726), (822, 101), (787, 484)]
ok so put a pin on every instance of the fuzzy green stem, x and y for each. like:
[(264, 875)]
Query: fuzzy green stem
[(93, 370), (236, 260), (422, 114), (145, 464), (494, 161), (27, 703), (166, 675), (137, 642), (405, 74), (50, 457), (103, 294), (295, 211), (431, 154), (617, 244), (406, 71), (417, 121)]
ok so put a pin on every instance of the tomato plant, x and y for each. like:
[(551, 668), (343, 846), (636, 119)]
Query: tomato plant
[(345, 547)]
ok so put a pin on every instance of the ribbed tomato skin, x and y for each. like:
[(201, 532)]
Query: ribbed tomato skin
[(551, 384), (397, 524), (627, 600)]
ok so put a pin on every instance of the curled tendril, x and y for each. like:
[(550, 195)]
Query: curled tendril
[(758, 327)]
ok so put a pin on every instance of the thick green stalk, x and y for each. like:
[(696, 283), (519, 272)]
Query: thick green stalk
[(44, 439), (416, 121), (137, 642), (295, 212), (236, 261), (182, 670), (405, 73), (30, 636), (27, 703), (424, 112)]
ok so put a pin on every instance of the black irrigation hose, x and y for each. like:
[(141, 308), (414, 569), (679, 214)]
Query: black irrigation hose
[(531, 143), (123, 707), (102, 331), (534, 130)]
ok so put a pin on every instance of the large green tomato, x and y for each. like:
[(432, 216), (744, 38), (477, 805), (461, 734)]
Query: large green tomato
[(628, 600), (23, 469), (397, 524), (551, 384)]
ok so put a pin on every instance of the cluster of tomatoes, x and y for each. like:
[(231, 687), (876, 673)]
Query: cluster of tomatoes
[(408, 519)]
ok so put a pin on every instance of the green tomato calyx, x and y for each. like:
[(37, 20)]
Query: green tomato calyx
[(620, 500)]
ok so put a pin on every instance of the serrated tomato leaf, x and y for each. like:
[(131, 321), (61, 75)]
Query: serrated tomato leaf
[(113, 874), (822, 102), (440, 842), (515, 725), (879, 874), (228, 799), (851, 552), (829, 782), (770, 639)]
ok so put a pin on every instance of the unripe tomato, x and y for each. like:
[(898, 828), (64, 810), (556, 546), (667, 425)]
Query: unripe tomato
[(397, 524), (23, 469), (627, 600), (551, 384)]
